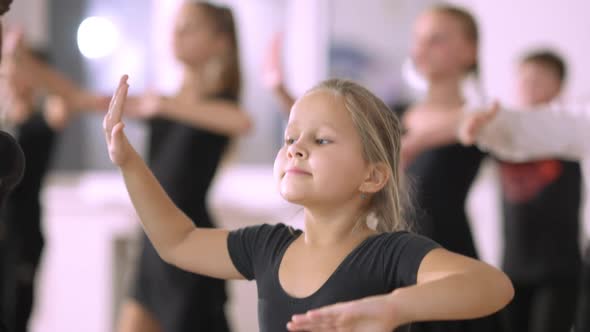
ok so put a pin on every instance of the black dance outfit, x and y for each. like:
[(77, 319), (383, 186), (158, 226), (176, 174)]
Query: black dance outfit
[(22, 240)]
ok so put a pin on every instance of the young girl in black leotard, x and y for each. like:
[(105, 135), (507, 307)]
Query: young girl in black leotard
[(444, 51)]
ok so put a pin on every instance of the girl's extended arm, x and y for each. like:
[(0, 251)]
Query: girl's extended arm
[(449, 287)]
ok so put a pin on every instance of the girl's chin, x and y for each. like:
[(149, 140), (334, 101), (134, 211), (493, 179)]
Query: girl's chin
[(293, 198)]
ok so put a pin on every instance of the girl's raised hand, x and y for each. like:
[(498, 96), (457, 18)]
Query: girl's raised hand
[(118, 145)]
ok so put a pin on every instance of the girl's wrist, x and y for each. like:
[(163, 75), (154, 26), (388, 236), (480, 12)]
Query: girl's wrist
[(132, 161), (397, 301)]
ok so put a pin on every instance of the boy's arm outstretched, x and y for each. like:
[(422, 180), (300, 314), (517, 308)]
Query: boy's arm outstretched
[(177, 240), (560, 130)]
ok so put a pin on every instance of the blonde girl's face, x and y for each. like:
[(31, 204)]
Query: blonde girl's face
[(321, 161), (194, 38), (440, 48)]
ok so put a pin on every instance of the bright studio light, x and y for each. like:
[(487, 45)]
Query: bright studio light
[(97, 37)]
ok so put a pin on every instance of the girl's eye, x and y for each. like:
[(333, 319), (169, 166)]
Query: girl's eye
[(322, 141), (289, 141)]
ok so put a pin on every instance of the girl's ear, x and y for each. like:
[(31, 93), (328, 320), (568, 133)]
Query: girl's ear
[(376, 178)]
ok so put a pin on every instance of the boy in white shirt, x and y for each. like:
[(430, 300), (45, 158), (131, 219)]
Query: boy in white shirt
[(555, 130)]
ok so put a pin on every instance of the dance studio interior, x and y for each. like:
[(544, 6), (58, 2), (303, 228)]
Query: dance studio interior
[(82, 243)]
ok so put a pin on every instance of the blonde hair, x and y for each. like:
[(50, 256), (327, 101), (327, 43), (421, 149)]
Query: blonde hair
[(380, 132)]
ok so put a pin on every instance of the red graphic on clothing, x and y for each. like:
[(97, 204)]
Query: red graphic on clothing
[(521, 182)]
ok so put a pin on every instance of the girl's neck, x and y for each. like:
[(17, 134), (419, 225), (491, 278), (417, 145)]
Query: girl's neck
[(335, 227), (445, 92), (193, 82)]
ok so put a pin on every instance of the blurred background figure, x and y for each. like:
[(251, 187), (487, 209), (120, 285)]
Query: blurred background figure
[(541, 205), (189, 134), (12, 166), (42, 103)]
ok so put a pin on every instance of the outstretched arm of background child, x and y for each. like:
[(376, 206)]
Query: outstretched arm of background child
[(449, 287), (216, 115), (177, 240), (427, 129), (58, 84), (25, 70), (559, 130), (274, 77)]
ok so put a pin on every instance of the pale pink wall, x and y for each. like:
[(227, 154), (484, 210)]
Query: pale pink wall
[(30, 15), (510, 28)]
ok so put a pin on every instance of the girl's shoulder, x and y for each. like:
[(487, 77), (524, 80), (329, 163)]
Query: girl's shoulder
[(265, 235), (254, 248), (401, 254), (401, 241)]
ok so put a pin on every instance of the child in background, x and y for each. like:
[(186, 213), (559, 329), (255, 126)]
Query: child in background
[(541, 208), (560, 129), (38, 119), (189, 134), (23, 240), (444, 50), (12, 161)]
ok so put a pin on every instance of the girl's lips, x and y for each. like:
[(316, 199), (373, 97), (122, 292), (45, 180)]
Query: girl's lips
[(298, 171)]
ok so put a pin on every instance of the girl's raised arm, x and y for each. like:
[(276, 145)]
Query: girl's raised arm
[(177, 240)]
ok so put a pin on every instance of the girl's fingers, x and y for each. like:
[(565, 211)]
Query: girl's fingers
[(116, 106), (118, 103)]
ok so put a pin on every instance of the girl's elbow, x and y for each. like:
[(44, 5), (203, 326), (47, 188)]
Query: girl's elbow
[(172, 257), (166, 256), (507, 289), (503, 289)]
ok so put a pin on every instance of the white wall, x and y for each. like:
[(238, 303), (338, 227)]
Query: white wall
[(383, 28), (306, 43), (510, 28)]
